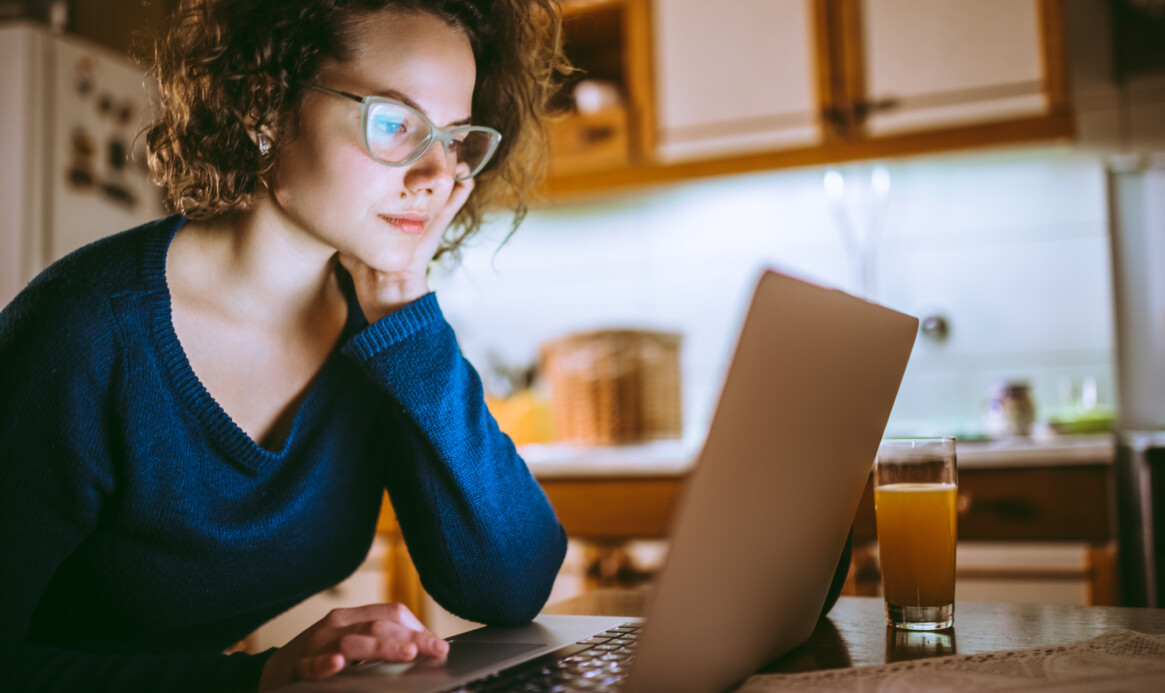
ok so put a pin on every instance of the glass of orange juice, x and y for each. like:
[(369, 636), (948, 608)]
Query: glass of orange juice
[(915, 490)]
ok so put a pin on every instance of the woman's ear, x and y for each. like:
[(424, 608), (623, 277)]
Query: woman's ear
[(260, 134)]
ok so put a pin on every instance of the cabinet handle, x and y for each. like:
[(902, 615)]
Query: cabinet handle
[(595, 134), (846, 120), (840, 118), (1013, 509), (1006, 509), (863, 109)]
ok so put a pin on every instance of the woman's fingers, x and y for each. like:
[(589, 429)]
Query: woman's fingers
[(393, 613), (396, 612), (387, 632), (457, 200), (408, 630), (431, 645), (320, 666), (354, 646), (379, 631)]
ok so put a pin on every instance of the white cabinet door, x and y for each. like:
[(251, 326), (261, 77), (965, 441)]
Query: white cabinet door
[(734, 76), (952, 62)]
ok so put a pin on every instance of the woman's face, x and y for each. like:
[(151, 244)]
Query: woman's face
[(325, 183)]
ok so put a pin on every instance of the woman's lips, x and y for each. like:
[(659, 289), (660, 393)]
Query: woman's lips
[(412, 224)]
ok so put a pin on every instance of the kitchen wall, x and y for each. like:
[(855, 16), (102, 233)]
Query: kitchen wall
[(1011, 247)]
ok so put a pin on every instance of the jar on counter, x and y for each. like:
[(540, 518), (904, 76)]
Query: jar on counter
[(1012, 410)]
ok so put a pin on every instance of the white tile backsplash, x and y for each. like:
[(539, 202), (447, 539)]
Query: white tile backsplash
[(1011, 246), (1022, 296), (969, 200)]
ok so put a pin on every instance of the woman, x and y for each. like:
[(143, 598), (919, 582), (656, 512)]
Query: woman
[(200, 415)]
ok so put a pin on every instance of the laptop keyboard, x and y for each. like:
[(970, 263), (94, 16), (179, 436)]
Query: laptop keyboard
[(599, 663)]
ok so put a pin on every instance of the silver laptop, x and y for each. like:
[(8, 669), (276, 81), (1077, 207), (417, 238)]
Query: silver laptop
[(757, 535)]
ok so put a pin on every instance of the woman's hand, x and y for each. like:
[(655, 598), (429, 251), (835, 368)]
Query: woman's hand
[(382, 292), (378, 631)]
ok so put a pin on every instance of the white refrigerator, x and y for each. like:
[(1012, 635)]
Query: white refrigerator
[(72, 163), (1137, 209)]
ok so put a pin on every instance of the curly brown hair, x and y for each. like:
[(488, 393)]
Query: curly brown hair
[(226, 66)]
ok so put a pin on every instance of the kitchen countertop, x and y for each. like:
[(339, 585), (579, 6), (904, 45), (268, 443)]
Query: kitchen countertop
[(675, 457), (1047, 450)]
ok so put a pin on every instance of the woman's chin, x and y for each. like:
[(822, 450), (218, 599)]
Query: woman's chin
[(390, 259)]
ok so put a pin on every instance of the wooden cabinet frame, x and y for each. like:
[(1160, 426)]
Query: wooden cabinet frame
[(637, 78), (841, 98), (842, 79)]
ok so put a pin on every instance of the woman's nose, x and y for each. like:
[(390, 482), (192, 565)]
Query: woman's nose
[(432, 173)]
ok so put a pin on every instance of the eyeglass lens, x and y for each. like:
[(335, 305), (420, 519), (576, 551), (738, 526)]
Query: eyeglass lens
[(397, 134)]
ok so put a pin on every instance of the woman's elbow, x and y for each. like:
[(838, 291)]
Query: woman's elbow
[(515, 590)]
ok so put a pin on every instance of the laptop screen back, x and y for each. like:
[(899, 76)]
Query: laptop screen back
[(766, 512)]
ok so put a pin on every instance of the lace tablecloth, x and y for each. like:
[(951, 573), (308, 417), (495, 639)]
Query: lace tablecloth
[(1120, 660)]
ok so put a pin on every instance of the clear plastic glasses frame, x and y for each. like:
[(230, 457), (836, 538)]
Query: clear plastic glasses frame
[(448, 137)]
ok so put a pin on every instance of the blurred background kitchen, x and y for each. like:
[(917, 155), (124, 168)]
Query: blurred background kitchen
[(994, 167)]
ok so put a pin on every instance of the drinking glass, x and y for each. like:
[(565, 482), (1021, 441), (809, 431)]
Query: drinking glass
[(915, 489)]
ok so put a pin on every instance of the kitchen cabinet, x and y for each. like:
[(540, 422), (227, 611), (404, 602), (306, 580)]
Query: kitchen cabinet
[(604, 512), (772, 74), (1046, 504), (1063, 511), (750, 85), (735, 77), (608, 44), (944, 63), (1036, 519)]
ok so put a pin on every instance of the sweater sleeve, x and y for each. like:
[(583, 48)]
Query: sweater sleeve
[(58, 366), (484, 538)]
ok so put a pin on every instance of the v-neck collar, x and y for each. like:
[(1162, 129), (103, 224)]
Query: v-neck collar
[(217, 424)]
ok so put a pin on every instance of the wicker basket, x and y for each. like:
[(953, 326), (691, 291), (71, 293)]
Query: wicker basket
[(614, 386)]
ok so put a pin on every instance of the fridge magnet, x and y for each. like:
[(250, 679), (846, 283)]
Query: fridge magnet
[(120, 194), (83, 76), (116, 186), (80, 173)]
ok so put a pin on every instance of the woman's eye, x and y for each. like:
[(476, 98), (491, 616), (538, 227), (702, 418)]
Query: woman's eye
[(388, 127)]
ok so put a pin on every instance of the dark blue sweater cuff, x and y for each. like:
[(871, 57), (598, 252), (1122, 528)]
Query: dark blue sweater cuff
[(248, 670), (394, 328)]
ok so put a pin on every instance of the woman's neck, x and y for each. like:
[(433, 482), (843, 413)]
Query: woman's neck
[(257, 268)]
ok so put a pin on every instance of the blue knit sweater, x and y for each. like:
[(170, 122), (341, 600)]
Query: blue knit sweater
[(142, 532)]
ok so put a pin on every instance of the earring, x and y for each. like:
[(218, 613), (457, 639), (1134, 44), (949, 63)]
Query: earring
[(264, 144)]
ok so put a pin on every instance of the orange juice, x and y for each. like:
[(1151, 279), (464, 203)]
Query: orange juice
[(916, 541)]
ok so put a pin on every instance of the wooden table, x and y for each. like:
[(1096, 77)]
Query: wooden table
[(855, 632)]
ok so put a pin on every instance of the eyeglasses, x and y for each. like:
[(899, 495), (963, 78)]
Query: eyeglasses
[(396, 134)]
